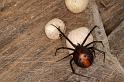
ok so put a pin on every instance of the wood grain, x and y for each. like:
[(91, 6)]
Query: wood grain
[(26, 54), (112, 13)]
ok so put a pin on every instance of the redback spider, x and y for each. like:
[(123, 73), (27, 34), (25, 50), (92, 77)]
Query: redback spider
[(83, 56)]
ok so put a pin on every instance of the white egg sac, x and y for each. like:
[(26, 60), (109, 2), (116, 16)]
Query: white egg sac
[(77, 36), (51, 31), (76, 6)]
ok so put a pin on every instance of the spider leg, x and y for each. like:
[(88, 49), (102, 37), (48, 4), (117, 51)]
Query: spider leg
[(74, 70), (65, 57), (94, 42), (93, 51), (71, 65), (99, 51), (88, 35), (64, 36), (63, 48)]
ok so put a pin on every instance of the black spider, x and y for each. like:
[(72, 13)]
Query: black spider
[(83, 56)]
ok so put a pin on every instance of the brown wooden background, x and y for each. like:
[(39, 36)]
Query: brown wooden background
[(26, 54)]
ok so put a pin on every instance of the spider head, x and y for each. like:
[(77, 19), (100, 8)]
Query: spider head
[(83, 58)]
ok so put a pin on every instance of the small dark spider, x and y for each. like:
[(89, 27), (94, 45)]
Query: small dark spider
[(83, 56)]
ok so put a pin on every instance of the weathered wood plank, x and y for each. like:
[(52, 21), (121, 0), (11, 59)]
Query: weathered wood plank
[(26, 54), (116, 40), (115, 70), (112, 12)]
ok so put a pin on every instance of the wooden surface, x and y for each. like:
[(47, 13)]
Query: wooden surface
[(114, 70), (112, 13), (27, 55), (117, 37)]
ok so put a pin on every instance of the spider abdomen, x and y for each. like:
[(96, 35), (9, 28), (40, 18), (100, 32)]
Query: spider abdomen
[(85, 60), (83, 57)]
